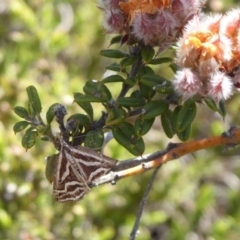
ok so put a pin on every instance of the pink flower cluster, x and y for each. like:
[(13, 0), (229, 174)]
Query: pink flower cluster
[(154, 22), (209, 57)]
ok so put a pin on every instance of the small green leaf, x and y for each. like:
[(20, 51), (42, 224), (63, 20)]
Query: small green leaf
[(111, 53), (51, 113), (164, 88), (114, 67), (222, 108), (94, 140), (42, 130), (130, 102), (157, 61), (81, 119), (105, 92), (19, 126), (146, 91), (146, 70), (50, 167), (147, 53), (115, 116), (138, 94), (175, 115), (91, 87), (154, 108), (142, 126), (116, 39), (34, 99), (211, 104), (29, 138), (88, 99), (86, 106), (112, 79), (152, 80), (174, 67), (126, 136), (167, 123), (21, 112), (127, 61), (44, 138), (131, 81), (185, 134), (186, 115)]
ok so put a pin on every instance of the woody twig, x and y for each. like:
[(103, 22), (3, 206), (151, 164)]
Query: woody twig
[(174, 151)]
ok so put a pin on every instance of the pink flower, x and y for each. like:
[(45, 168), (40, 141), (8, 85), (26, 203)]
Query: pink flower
[(153, 29), (154, 22), (210, 48), (220, 86), (183, 10), (113, 21), (187, 83)]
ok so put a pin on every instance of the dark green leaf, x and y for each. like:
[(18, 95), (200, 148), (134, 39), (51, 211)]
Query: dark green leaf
[(156, 61), (222, 108), (126, 136), (111, 53), (146, 70), (127, 61), (113, 78), (19, 126), (86, 106), (147, 53), (131, 82), (34, 99), (81, 119), (130, 102), (105, 92), (185, 134), (44, 138), (28, 139), (174, 67), (155, 108), (164, 88), (88, 99), (94, 139), (51, 113), (167, 123), (42, 130), (50, 167), (137, 94), (211, 104), (21, 112), (115, 116), (175, 116), (91, 87), (114, 67), (151, 80), (116, 39), (186, 115), (142, 126), (146, 91)]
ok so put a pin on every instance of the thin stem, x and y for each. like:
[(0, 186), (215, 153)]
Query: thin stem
[(134, 51), (142, 204)]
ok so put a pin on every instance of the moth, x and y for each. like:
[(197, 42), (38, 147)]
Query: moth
[(75, 167)]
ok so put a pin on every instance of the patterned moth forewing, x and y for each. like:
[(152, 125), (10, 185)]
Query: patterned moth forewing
[(75, 168)]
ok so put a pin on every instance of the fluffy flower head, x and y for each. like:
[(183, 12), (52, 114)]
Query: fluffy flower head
[(154, 22), (210, 48)]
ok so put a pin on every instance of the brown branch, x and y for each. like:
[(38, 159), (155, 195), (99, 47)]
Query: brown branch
[(174, 151)]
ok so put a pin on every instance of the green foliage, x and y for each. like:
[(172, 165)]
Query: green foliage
[(199, 197)]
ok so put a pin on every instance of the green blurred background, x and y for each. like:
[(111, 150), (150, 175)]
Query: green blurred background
[(54, 45)]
